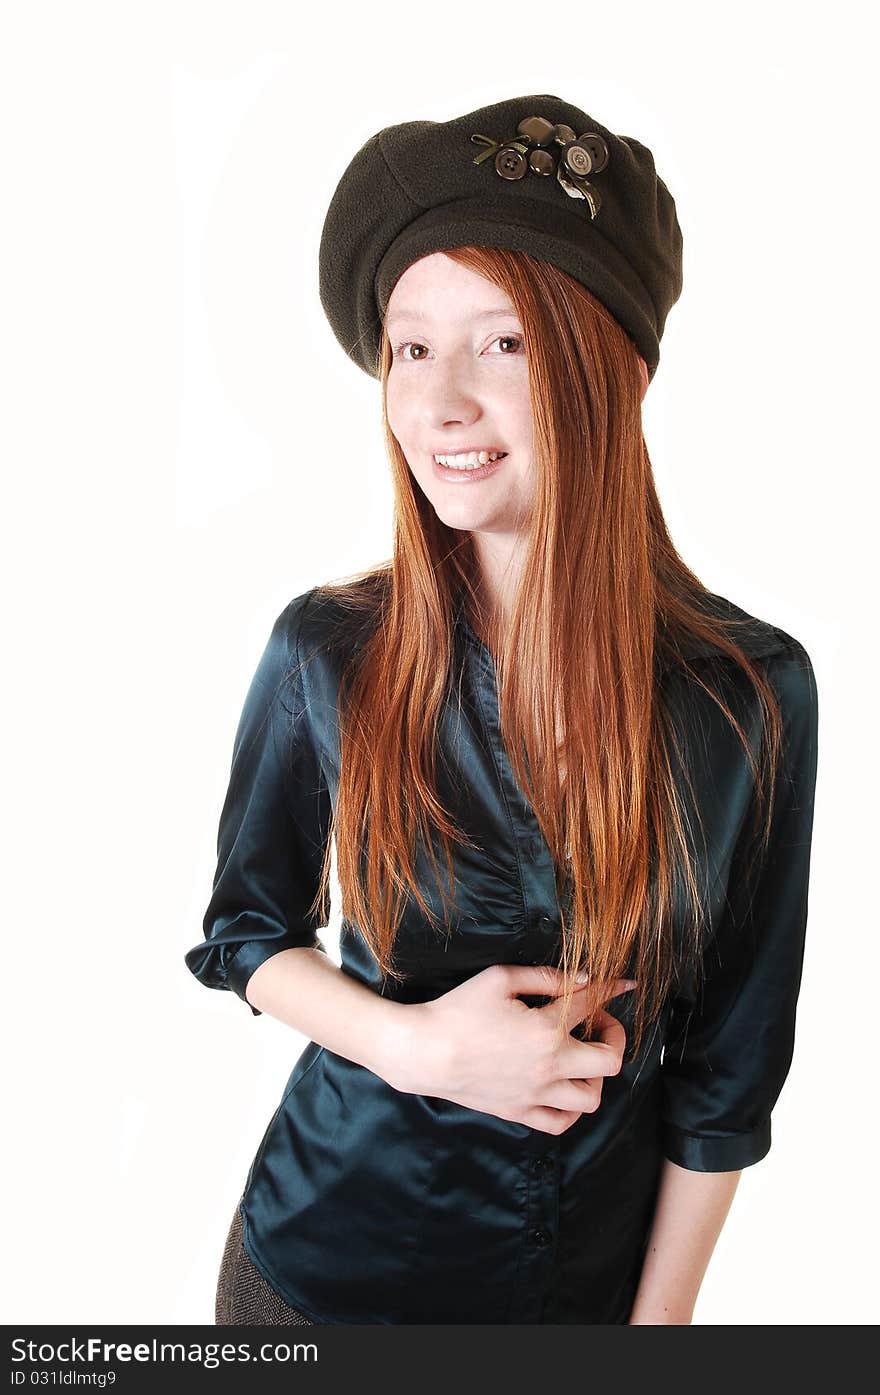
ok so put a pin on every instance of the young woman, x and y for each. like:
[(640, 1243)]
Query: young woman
[(570, 789)]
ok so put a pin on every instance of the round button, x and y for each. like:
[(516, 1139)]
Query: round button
[(541, 1237), (563, 134), (577, 159), (511, 163), (542, 1164), (542, 162), (597, 147)]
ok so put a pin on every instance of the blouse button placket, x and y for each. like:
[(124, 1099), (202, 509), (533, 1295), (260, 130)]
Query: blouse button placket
[(537, 873), (541, 921)]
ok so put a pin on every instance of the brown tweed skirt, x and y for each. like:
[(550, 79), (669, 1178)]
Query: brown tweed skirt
[(244, 1298)]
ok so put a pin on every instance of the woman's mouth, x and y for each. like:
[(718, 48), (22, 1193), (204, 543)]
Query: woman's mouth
[(467, 469)]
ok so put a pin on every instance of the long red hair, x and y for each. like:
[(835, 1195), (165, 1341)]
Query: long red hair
[(603, 596)]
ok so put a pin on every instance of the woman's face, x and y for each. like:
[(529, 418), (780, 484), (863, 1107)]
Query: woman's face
[(459, 383)]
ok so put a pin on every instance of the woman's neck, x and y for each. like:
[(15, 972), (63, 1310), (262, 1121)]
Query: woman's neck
[(499, 568)]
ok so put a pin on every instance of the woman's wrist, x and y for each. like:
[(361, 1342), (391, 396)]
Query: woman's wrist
[(408, 1058)]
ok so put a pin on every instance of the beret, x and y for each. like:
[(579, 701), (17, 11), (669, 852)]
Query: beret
[(533, 174)]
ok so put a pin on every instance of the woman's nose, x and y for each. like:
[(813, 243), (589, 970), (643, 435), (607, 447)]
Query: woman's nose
[(448, 391)]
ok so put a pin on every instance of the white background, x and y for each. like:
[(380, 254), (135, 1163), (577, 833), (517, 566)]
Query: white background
[(186, 448)]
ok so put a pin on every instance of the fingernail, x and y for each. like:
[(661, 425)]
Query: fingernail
[(582, 978)]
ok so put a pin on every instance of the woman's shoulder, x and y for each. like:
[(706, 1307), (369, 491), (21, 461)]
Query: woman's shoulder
[(779, 655), (758, 638), (334, 618)]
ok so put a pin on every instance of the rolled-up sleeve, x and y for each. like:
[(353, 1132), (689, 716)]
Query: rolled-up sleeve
[(729, 1045), (274, 826)]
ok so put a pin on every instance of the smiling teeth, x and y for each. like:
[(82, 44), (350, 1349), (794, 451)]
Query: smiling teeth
[(472, 461)]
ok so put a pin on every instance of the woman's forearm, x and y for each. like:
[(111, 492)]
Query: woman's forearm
[(305, 989), (690, 1212)]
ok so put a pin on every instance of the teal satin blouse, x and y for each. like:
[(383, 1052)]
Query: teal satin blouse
[(365, 1205)]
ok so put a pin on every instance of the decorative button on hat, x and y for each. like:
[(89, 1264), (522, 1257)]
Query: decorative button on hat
[(577, 157), (607, 218)]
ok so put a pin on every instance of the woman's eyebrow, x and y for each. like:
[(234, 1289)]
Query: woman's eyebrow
[(420, 315)]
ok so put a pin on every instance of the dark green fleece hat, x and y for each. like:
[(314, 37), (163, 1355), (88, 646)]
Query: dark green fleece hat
[(533, 174)]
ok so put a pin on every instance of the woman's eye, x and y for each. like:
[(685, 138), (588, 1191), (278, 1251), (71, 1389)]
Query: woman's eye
[(408, 345), (506, 339), (413, 344)]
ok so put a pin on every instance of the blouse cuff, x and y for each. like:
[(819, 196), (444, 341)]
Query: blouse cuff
[(253, 953), (721, 1153)]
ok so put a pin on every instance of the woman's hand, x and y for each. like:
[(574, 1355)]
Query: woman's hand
[(479, 1045)]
